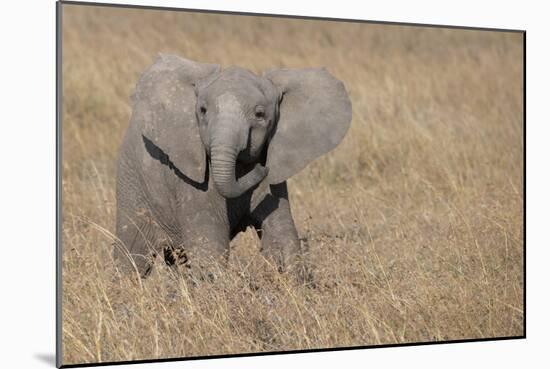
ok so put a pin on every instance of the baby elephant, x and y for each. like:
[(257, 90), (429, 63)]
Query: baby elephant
[(207, 154)]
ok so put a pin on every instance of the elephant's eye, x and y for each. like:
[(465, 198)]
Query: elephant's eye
[(260, 113), (203, 110)]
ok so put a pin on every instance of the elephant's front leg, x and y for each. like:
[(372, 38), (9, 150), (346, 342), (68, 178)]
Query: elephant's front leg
[(206, 243), (276, 229)]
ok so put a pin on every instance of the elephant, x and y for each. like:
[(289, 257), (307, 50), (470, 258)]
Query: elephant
[(207, 154)]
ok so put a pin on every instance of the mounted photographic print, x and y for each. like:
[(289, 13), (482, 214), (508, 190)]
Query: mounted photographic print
[(237, 184)]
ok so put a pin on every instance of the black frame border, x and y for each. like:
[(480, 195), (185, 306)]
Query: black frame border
[(58, 189)]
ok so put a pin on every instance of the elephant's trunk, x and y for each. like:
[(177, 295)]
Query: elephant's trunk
[(223, 161)]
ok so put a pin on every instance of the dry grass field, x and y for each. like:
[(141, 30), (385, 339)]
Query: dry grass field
[(414, 222)]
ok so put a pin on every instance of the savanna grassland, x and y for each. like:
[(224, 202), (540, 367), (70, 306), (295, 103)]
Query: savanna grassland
[(414, 222)]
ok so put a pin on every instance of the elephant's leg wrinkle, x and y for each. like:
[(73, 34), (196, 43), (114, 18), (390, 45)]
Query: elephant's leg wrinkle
[(206, 242), (279, 240), (278, 234)]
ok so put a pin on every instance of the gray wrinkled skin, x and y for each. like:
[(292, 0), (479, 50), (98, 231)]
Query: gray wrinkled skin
[(207, 154)]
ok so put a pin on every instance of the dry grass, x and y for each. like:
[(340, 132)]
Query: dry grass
[(415, 221)]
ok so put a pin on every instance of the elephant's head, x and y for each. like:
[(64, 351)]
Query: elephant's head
[(276, 123), (236, 112)]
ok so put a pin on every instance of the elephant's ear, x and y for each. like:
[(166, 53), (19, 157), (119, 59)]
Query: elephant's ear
[(314, 116), (164, 108)]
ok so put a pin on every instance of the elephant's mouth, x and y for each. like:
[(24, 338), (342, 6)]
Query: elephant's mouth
[(244, 158)]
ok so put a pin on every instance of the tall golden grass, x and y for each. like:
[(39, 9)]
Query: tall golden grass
[(414, 223)]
